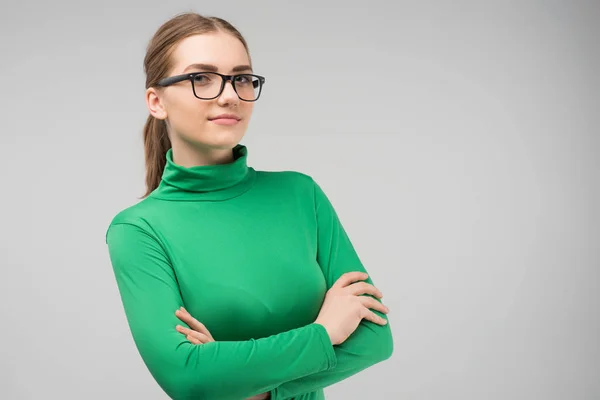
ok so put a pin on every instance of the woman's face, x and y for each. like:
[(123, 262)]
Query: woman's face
[(189, 118)]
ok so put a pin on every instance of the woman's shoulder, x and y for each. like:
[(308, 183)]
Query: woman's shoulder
[(134, 214), (286, 177)]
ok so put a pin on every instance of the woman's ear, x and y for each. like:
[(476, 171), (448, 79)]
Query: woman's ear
[(155, 104)]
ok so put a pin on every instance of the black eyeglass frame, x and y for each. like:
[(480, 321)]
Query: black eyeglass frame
[(224, 78)]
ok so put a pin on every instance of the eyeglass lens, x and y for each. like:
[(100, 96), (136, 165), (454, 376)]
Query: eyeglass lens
[(207, 86)]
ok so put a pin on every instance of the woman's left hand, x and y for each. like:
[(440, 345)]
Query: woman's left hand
[(198, 334)]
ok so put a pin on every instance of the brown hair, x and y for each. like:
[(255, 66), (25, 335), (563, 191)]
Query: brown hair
[(157, 65)]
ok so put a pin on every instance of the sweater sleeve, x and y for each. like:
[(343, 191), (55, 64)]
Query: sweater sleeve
[(217, 370), (370, 343)]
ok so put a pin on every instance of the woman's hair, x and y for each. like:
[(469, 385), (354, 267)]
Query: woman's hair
[(157, 64)]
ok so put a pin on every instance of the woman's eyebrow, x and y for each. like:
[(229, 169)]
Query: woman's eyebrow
[(214, 68)]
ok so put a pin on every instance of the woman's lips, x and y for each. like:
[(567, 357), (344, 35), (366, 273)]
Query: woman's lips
[(225, 121)]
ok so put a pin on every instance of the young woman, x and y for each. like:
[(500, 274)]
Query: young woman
[(277, 302)]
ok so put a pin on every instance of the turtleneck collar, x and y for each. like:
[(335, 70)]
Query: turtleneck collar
[(206, 182)]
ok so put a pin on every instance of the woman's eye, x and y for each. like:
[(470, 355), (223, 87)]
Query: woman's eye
[(201, 79)]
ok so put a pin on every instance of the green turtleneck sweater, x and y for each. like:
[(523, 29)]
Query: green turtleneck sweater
[(250, 254)]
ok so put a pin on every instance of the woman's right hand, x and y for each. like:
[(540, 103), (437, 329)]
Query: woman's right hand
[(344, 307)]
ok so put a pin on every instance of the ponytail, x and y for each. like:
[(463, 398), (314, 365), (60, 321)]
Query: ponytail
[(156, 144)]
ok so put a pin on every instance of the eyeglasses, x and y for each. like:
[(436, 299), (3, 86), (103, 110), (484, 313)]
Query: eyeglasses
[(210, 85)]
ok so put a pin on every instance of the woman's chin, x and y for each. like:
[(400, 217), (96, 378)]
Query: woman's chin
[(223, 140)]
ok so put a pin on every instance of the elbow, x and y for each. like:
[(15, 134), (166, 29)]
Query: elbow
[(377, 342), (180, 381), (184, 382), (383, 345), (387, 347), (188, 375), (178, 385)]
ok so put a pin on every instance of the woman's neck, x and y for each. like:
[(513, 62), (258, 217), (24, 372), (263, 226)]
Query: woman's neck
[(198, 155)]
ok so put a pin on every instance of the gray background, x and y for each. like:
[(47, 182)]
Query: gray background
[(459, 143)]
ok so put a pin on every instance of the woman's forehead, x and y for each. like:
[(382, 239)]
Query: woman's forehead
[(221, 50)]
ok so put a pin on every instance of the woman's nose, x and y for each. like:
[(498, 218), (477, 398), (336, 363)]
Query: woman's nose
[(229, 95)]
